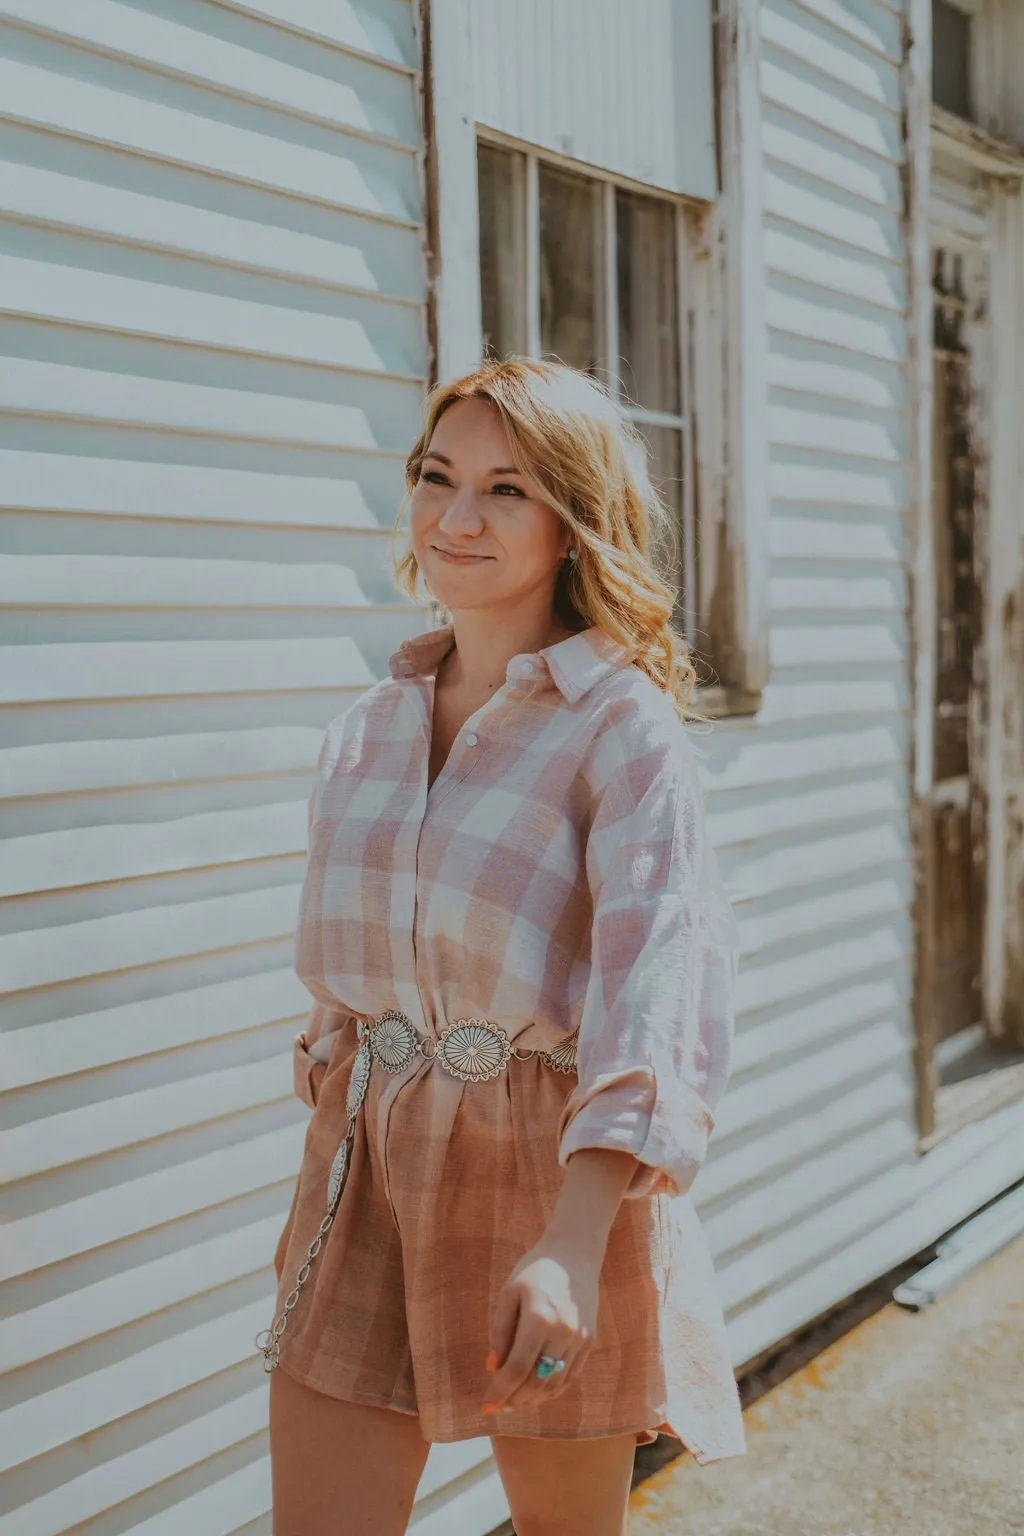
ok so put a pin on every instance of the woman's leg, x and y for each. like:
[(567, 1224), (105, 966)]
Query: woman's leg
[(340, 1469), (566, 1487)]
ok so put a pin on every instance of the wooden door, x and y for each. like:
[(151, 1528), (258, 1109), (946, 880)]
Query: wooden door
[(957, 819)]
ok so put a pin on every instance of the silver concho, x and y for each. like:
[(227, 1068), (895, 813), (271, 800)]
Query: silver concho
[(393, 1041), (563, 1057), (358, 1081), (473, 1050), (336, 1182)]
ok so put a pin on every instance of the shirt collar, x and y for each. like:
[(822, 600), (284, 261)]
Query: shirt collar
[(575, 665)]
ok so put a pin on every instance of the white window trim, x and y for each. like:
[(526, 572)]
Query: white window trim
[(535, 157), (729, 459)]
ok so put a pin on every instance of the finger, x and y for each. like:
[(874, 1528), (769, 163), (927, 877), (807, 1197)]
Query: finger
[(503, 1324), (575, 1355), (526, 1346), (538, 1390)]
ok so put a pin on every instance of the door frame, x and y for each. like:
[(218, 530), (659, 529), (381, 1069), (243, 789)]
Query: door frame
[(1000, 168)]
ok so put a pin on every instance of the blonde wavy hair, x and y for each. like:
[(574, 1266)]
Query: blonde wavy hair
[(570, 437)]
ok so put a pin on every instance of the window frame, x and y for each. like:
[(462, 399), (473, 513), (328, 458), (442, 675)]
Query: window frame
[(534, 157), (726, 436)]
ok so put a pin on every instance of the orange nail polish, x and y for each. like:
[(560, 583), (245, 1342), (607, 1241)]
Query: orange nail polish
[(491, 1363), (490, 1408)]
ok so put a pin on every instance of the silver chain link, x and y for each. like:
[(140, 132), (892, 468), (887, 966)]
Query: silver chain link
[(562, 1059), (269, 1341)]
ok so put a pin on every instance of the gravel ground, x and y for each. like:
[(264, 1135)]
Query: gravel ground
[(910, 1425)]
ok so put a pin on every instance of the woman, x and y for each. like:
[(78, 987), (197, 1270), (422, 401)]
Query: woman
[(522, 962)]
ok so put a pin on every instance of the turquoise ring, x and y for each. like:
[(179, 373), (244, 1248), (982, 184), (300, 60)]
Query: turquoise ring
[(547, 1365)]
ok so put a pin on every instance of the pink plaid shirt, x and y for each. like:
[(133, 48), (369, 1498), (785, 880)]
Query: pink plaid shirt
[(556, 877)]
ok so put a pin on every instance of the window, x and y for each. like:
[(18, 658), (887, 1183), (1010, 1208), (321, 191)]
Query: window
[(951, 58), (577, 267)]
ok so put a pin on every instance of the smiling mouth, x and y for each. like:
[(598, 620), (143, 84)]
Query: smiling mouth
[(457, 557)]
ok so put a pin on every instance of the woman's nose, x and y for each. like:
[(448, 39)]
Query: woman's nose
[(462, 515)]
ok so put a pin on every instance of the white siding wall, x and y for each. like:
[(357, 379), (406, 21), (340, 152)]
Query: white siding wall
[(814, 1185), (212, 351), (623, 86)]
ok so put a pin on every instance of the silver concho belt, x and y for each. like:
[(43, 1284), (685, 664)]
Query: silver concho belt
[(471, 1050)]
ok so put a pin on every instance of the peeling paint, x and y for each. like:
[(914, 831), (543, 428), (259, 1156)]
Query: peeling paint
[(1010, 1022)]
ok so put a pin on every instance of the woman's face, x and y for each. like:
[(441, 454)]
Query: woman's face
[(482, 534)]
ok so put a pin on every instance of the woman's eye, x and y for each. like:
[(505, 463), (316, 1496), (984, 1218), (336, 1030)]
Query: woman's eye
[(434, 477), (503, 488)]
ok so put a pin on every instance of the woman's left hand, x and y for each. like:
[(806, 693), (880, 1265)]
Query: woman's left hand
[(547, 1306)]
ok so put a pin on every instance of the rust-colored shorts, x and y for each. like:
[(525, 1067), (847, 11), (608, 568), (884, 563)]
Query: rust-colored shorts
[(449, 1185)]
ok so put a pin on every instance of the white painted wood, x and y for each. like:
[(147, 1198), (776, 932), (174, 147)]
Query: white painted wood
[(846, 116), (120, 31), (628, 88), (49, 769), (58, 860), (859, 176), (212, 358), (33, 194), (121, 1478), (242, 1495), (873, 23), (137, 1205), (377, 28), (456, 278), (929, 1195), (91, 396), (153, 935), (860, 488), (135, 1293), (53, 1417), (819, 209), (93, 581), (73, 296), (60, 482), (44, 673), (793, 32), (95, 1130), (41, 1053), (95, 114), (746, 347), (793, 701), (780, 1145)]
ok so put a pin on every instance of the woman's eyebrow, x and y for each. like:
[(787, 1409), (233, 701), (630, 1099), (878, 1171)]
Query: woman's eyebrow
[(505, 469)]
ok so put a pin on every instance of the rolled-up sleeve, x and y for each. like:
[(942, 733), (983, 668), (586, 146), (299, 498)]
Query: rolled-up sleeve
[(655, 1037)]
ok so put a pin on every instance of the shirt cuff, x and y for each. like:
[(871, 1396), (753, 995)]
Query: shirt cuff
[(308, 1072), (666, 1127)]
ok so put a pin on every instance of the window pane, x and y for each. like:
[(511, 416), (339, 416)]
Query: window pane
[(951, 58), (648, 303), (665, 449), (570, 268), (500, 183)]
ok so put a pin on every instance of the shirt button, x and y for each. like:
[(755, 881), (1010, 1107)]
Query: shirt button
[(526, 668), (471, 739)]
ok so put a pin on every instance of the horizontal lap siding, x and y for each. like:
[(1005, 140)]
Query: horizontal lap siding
[(212, 357), (809, 801)]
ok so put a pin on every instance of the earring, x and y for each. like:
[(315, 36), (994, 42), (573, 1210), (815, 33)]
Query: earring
[(572, 555)]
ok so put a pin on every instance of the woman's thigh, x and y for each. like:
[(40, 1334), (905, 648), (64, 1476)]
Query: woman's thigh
[(340, 1469), (566, 1487)]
